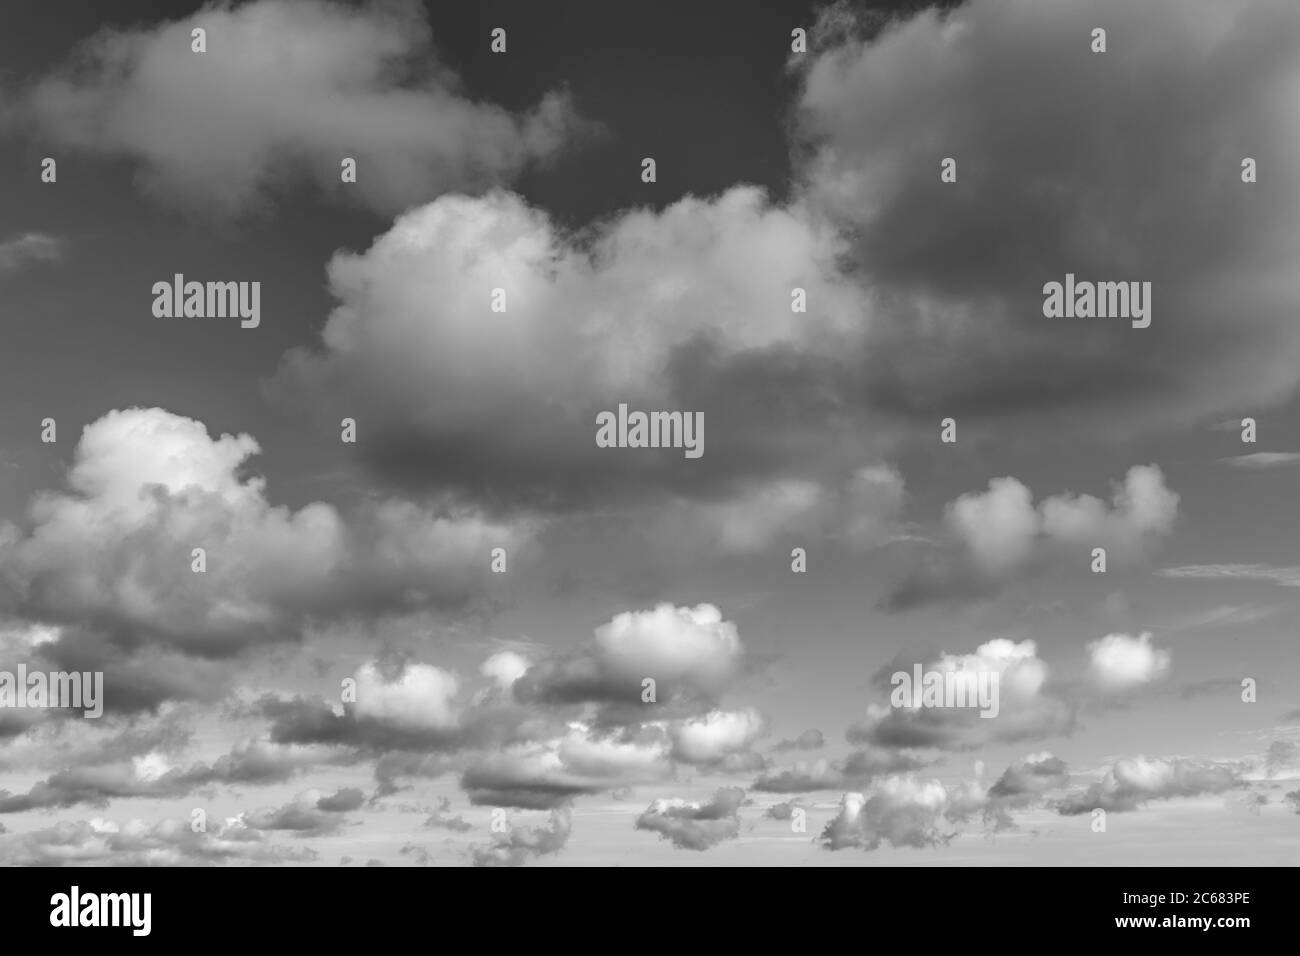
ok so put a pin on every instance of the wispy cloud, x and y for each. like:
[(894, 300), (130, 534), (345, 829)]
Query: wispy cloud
[(29, 248), (1263, 459), (1287, 577)]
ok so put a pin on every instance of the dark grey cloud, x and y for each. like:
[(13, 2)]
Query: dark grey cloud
[(1084, 170), (310, 814), (695, 826)]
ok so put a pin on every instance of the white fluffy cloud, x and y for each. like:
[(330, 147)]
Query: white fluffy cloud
[(691, 654), (1028, 707), (146, 487), (1001, 527), (505, 667), (615, 318), (286, 89), (715, 736), (420, 697), (671, 644), (1120, 662), (548, 773)]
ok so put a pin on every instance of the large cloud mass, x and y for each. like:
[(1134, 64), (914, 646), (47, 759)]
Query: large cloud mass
[(289, 88)]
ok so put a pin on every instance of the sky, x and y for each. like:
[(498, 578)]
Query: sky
[(365, 586)]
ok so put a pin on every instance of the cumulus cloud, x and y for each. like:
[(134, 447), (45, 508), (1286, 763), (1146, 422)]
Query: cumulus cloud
[(1029, 707), (684, 309), (690, 653), (146, 487), (155, 775), (285, 91), (1133, 781), (549, 773), (900, 811), (999, 533), (505, 667), (136, 843), (1045, 189), (520, 844), (420, 697), (311, 813), (1121, 662), (1000, 527), (1031, 775), (715, 736), (695, 826)]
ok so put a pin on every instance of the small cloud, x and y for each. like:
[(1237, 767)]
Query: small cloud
[(1263, 459), (28, 249), (1288, 577)]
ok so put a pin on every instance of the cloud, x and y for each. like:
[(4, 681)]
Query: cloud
[(136, 843), (311, 813), (686, 309), (442, 819), (1028, 706), (695, 826), (1000, 534), (808, 740), (1285, 576), (521, 844), (27, 249), (862, 512), (505, 667), (1000, 528), (1133, 781), (146, 487), (900, 811), (1032, 775), (548, 773), (1047, 184), (285, 91), (1121, 662), (153, 775), (419, 698), (691, 654), (1263, 459), (781, 811), (856, 770), (715, 736)]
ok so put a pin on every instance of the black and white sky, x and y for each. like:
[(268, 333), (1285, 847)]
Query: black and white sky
[(498, 717)]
